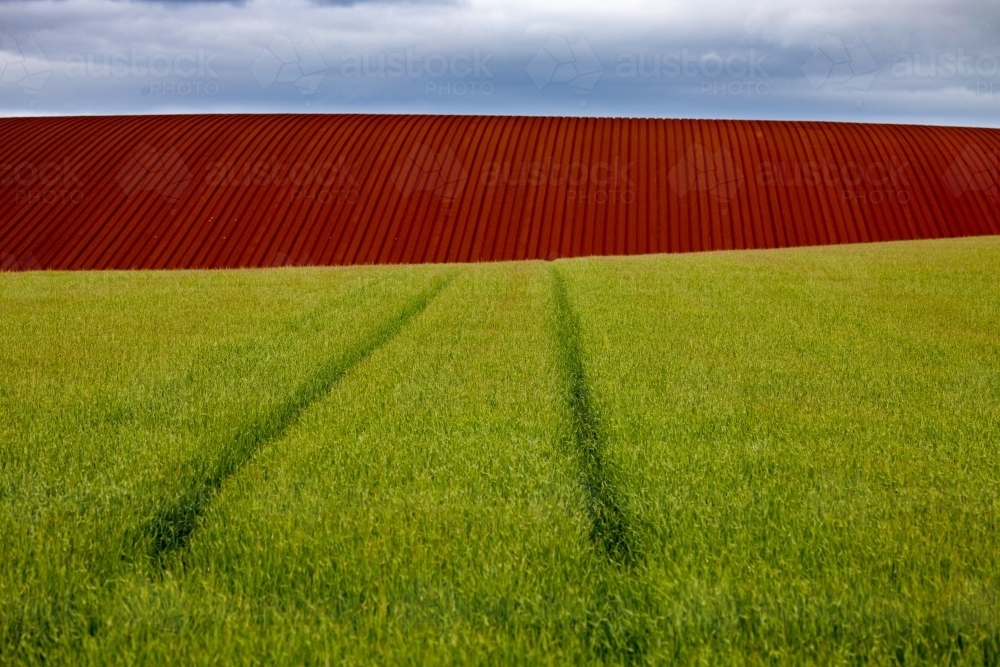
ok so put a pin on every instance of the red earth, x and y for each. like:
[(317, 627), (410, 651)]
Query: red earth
[(212, 191)]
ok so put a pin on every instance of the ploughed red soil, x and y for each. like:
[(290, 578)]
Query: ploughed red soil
[(271, 190)]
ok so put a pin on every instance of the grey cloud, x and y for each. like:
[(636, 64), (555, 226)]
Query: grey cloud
[(774, 59)]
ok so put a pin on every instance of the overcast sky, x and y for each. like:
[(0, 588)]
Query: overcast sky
[(935, 61)]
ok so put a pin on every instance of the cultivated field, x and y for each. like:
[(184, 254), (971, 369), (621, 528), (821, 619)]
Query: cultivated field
[(761, 457)]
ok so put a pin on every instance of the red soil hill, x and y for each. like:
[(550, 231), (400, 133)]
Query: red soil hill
[(267, 190)]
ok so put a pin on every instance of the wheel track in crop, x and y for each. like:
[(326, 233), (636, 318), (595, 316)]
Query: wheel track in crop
[(616, 628), (611, 528), (170, 528)]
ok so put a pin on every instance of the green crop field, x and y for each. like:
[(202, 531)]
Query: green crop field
[(762, 457)]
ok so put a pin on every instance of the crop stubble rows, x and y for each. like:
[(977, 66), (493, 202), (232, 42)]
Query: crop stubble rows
[(217, 191)]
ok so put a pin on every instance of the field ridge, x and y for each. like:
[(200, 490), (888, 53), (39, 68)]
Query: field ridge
[(170, 528)]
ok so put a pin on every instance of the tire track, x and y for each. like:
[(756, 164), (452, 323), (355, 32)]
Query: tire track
[(611, 529), (170, 528)]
